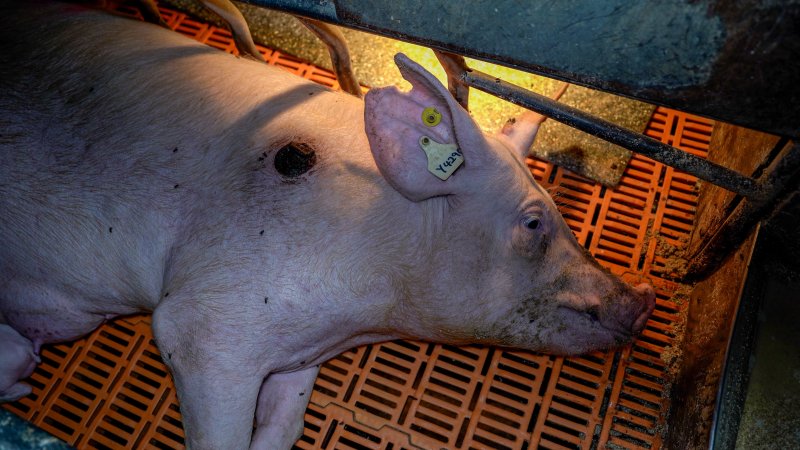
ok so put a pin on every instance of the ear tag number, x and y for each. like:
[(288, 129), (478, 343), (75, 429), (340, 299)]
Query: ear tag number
[(431, 117), (443, 159)]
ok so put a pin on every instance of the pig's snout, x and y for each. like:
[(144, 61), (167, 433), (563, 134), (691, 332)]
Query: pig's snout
[(648, 298)]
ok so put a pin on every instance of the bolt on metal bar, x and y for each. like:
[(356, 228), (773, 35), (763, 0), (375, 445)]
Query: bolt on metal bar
[(636, 142)]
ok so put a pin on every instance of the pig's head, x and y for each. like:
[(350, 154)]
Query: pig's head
[(495, 262)]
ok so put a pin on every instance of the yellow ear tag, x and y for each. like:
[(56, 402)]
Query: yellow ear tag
[(431, 117), (443, 159)]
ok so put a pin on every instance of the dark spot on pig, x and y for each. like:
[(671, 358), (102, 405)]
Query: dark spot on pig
[(174, 150), (302, 363), (261, 232), (91, 89), (166, 294), (169, 355), (310, 94), (294, 160), (266, 299), (260, 158), (110, 229), (302, 394), (176, 186)]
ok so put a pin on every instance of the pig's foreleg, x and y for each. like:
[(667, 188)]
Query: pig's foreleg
[(17, 361), (216, 376), (239, 29), (281, 406), (217, 403)]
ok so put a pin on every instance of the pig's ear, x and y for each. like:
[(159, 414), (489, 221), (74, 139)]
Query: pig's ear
[(519, 133), (394, 125)]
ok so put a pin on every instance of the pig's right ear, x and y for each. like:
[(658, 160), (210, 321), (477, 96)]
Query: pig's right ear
[(394, 124)]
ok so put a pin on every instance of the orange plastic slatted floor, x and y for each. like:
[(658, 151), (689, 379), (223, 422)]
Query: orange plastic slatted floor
[(111, 389)]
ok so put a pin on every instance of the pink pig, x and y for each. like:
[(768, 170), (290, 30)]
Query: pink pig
[(268, 223)]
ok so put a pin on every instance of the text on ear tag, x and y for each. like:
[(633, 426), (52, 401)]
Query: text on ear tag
[(443, 159)]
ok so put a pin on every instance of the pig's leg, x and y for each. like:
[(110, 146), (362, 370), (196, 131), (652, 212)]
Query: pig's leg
[(281, 406), (239, 29), (216, 376), (17, 361)]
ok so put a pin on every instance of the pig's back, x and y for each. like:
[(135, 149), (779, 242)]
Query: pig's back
[(106, 123), (79, 225), (126, 150)]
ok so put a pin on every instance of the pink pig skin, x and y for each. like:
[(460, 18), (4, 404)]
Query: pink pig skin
[(137, 173)]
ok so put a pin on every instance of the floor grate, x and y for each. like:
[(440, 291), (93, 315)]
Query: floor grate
[(111, 390)]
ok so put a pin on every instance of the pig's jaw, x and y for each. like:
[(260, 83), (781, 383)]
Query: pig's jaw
[(553, 325)]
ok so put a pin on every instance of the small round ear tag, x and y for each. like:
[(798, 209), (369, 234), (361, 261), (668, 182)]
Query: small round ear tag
[(431, 117)]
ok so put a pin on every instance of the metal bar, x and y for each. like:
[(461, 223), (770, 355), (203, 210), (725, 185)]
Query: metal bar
[(701, 168), (340, 55), (779, 182), (454, 65), (731, 61)]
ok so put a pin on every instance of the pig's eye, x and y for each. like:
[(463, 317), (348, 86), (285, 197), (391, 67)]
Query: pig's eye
[(533, 223)]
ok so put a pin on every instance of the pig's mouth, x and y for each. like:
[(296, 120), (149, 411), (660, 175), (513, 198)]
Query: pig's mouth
[(589, 329)]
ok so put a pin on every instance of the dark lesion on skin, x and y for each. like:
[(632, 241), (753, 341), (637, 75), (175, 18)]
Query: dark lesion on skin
[(295, 159)]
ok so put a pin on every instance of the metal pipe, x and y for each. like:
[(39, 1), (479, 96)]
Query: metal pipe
[(454, 65), (636, 142), (340, 55)]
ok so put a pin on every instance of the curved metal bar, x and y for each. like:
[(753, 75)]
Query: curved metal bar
[(340, 55), (239, 29), (454, 65)]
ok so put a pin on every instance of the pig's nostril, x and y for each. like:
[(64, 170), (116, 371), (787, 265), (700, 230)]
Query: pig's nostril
[(649, 296), (646, 291), (592, 313)]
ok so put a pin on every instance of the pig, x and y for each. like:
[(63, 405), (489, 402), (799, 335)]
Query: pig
[(266, 222)]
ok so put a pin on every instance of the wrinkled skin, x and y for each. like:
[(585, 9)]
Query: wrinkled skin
[(137, 174)]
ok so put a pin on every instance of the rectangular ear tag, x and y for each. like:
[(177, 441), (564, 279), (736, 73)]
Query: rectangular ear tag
[(443, 159)]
